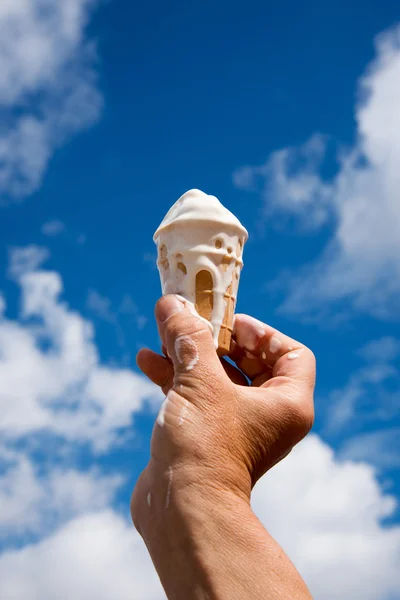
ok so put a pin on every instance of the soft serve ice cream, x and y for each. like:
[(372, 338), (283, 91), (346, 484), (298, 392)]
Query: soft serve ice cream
[(200, 248)]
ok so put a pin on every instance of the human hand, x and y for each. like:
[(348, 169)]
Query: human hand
[(215, 431)]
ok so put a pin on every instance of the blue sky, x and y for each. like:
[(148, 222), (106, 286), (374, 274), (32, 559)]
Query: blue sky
[(109, 112)]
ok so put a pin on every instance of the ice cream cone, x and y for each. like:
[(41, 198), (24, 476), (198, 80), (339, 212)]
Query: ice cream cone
[(200, 247), (204, 306), (225, 334)]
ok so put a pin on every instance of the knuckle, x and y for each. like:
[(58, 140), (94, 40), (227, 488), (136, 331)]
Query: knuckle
[(312, 356), (309, 374), (300, 415), (134, 511), (135, 503), (308, 419), (310, 353), (304, 420)]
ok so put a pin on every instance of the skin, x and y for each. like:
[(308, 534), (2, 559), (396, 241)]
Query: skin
[(219, 436)]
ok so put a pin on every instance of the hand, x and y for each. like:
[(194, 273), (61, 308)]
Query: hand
[(222, 427)]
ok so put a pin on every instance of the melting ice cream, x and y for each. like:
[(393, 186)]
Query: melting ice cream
[(200, 249)]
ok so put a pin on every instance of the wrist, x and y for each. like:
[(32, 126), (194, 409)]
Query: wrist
[(186, 528), (212, 473), (206, 542), (184, 493)]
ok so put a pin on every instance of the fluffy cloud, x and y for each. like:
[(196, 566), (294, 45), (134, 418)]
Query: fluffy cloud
[(360, 263), (25, 259), (34, 503), (291, 185), (48, 86), (327, 516), (56, 397), (98, 555), (51, 378)]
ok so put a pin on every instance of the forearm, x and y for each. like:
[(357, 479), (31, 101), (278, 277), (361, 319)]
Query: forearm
[(209, 545)]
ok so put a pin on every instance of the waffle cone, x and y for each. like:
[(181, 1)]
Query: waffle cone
[(205, 304)]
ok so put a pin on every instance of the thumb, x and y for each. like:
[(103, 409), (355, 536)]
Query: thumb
[(189, 343)]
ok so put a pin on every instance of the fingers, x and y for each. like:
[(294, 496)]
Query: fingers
[(248, 363), (298, 366), (188, 342), (263, 353), (157, 368), (257, 347), (274, 361)]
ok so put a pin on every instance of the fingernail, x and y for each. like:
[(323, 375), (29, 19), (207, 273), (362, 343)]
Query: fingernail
[(168, 306)]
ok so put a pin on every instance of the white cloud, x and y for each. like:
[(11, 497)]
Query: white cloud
[(26, 259), (48, 86), (57, 399), (327, 516), (360, 262), (291, 184), (51, 378), (98, 555), (53, 227), (33, 502)]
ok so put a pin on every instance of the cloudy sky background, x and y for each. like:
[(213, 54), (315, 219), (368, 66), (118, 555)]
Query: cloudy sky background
[(108, 114)]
